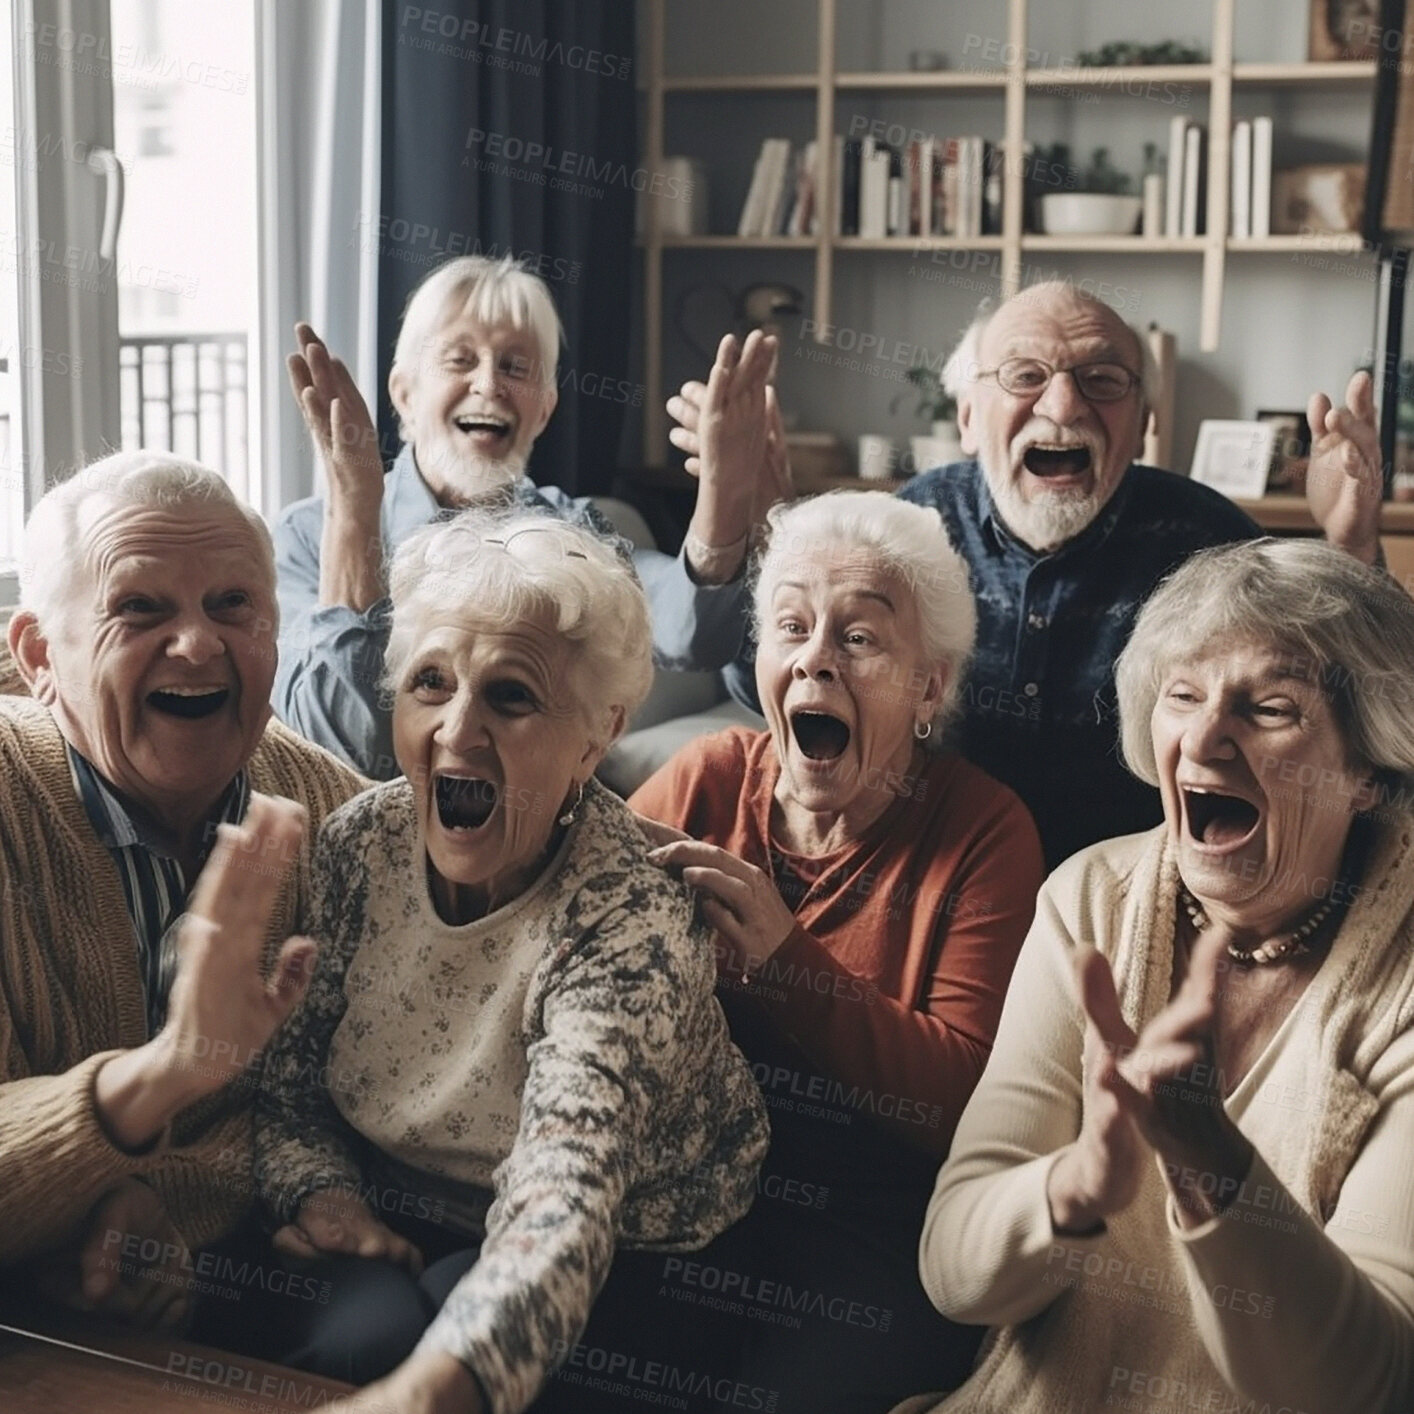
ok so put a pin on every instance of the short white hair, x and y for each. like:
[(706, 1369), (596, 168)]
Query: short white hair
[(960, 370), (137, 478), (498, 569), (494, 292), (1348, 627), (903, 539)]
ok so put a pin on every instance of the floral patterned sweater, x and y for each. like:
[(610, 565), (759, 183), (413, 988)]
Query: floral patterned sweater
[(566, 1052)]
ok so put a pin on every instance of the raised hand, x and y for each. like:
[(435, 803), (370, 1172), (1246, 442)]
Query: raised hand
[(1345, 479), (339, 421), (330, 1221), (132, 1262), (731, 429), (1159, 1088), (223, 1007)]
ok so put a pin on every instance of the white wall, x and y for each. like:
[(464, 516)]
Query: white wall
[(1290, 323)]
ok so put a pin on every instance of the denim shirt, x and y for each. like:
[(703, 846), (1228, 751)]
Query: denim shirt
[(331, 656), (1038, 707)]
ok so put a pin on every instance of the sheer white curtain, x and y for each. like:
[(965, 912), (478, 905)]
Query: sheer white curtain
[(320, 119)]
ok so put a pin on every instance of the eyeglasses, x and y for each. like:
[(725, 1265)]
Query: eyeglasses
[(1096, 382), (529, 530)]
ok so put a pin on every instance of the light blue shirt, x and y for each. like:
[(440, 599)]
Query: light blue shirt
[(331, 656)]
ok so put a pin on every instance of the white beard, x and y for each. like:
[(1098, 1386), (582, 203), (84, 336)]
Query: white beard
[(476, 479), (1048, 520)]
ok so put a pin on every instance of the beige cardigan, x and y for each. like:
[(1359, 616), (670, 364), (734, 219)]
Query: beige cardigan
[(1301, 1296), (71, 996)]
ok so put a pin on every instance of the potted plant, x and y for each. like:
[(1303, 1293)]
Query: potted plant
[(933, 402), (1096, 201)]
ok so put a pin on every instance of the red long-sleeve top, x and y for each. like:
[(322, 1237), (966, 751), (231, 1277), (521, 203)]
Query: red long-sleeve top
[(893, 979)]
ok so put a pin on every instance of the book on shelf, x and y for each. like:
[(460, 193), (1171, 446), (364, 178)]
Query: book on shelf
[(751, 207), (1241, 203), (1261, 177), (850, 176), (1193, 194), (874, 190), (1173, 191)]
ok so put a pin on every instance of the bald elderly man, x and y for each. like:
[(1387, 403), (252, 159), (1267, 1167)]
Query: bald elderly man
[(1066, 535), (150, 879)]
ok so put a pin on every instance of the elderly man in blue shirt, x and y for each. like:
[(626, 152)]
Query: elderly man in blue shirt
[(1066, 535), (473, 382)]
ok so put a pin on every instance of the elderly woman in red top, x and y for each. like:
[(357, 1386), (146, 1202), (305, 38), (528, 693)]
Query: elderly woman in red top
[(870, 892)]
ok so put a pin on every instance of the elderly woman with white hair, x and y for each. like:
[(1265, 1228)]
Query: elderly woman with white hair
[(870, 893), (1185, 1179), (522, 1065)]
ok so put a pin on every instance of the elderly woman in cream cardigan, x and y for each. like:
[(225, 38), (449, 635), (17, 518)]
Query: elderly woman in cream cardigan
[(511, 1066), (1186, 1179)]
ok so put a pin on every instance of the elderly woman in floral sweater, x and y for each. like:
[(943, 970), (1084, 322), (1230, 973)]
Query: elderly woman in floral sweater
[(512, 1027)]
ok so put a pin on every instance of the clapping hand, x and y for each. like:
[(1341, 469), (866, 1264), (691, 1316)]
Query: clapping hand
[(1155, 1091), (222, 1007), (340, 423), (1345, 480), (732, 431)]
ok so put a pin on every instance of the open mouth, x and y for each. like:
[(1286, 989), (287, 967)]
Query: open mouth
[(484, 427), (189, 703), (1047, 462), (819, 735), (464, 802), (1219, 820)]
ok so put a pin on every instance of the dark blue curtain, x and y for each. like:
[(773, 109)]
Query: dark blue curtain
[(509, 126)]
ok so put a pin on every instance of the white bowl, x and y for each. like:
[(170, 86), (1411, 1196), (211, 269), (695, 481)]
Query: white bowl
[(1086, 213)]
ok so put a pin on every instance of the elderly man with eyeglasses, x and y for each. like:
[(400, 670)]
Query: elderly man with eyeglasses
[(1066, 535)]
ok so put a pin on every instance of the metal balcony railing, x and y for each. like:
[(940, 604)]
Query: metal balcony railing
[(188, 393)]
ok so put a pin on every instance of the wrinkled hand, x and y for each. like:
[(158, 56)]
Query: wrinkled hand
[(222, 1008), (425, 1383), (340, 423), (1156, 1091), (732, 431), (1345, 480), (330, 1221), (739, 900), (132, 1264)]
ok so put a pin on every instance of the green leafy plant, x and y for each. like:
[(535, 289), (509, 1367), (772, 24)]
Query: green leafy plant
[(933, 403), (1126, 51)]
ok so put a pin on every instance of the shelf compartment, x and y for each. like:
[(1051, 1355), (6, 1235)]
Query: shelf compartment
[(743, 83), (1335, 72), (1343, 243), (739, 242), (1117, 245), (1097, 76), (942, 79), (917, 243)]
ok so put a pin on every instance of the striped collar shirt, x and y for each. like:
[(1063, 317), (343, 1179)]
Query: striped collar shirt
[(153, 882)]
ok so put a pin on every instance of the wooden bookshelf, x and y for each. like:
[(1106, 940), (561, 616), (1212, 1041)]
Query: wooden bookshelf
[(1013, 84)]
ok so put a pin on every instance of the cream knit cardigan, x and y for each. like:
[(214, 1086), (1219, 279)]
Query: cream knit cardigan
[(1301, 1296), (71, 997)]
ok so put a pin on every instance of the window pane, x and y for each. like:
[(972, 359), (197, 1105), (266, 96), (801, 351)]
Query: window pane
[(12, 447), (184, 129)]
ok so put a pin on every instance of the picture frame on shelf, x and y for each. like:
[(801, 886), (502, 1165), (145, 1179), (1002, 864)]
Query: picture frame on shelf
[(1345, 29), (1234, 457), (1291, 450)]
